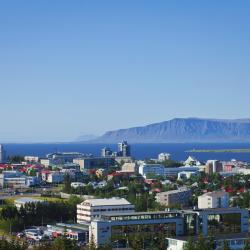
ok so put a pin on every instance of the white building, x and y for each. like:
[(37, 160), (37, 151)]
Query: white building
[(156, 169), (93, 208), (2, 154), (217, 199), (164, 156), (186, 175), (46, 162), (31, 158), (174, 197), (52, 176), (15, 179)]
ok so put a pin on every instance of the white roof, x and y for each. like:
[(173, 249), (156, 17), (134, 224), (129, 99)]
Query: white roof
[(107, 202), (27, 200)]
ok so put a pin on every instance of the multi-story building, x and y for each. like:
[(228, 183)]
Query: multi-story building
[(174, 197), (15, 179), (118, 229), (156, 169), (213, 166), (94, 208), (130, 167), (46, 162), (215, 199), (164, 156), (65, 157), (123, 149), (31, 159), (2, 154), (106, 152), (52, 176), (94, 162)]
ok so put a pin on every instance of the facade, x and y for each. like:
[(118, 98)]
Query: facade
[(2, 154), (156, 169), (94, 208), (174, 197), (213, 166), (65, 157), (52, 176), (215, 199), (31, 159), (130, 168), (123, 149), (94, 162), (164, 156), (118, 229), (46, 162), (106, 152), (15, 179)]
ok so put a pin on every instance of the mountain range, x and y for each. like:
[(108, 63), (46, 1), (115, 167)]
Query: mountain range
[(183, 130)]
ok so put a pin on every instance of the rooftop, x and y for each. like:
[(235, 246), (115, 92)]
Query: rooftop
[(107, 202), (27, 200), (215, 194)]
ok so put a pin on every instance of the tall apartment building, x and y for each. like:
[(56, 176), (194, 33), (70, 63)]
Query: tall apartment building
[(213, 166), (217, 199), (106, 152), (94, 208), (174, 197), (2, 154), (123, 149)]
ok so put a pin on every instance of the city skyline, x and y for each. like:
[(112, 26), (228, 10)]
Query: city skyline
[(70, 69)]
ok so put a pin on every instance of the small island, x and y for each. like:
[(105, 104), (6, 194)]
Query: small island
[(242, 150)]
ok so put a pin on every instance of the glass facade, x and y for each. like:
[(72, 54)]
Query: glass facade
[(190, 224), (125, 236), (224, 223)]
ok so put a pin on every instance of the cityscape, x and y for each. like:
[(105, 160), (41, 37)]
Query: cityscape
[(112, 201)]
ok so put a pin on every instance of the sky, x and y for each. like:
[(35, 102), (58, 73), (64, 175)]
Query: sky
[(70, 68)]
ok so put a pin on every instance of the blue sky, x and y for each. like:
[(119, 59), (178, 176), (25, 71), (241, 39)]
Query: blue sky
[(69, 68)]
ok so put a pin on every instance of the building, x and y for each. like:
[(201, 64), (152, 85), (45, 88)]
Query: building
[(31, 159), (52, 176), (46, 162), (192, 161), (130, 168), (123, 149), (15, 179), (65, 157), (2, 154), (213, 166), (234, 241), (217, 199), (94, 162), (106, 152), (25, 200), (93, 208), (117, 229), (164, 157), (155, 169), (174, 197)]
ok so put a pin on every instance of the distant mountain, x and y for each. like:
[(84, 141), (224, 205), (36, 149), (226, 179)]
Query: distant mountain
[(84, 138), (182, 130)]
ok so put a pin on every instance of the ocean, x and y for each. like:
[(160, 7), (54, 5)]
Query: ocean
[(138, 151)]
